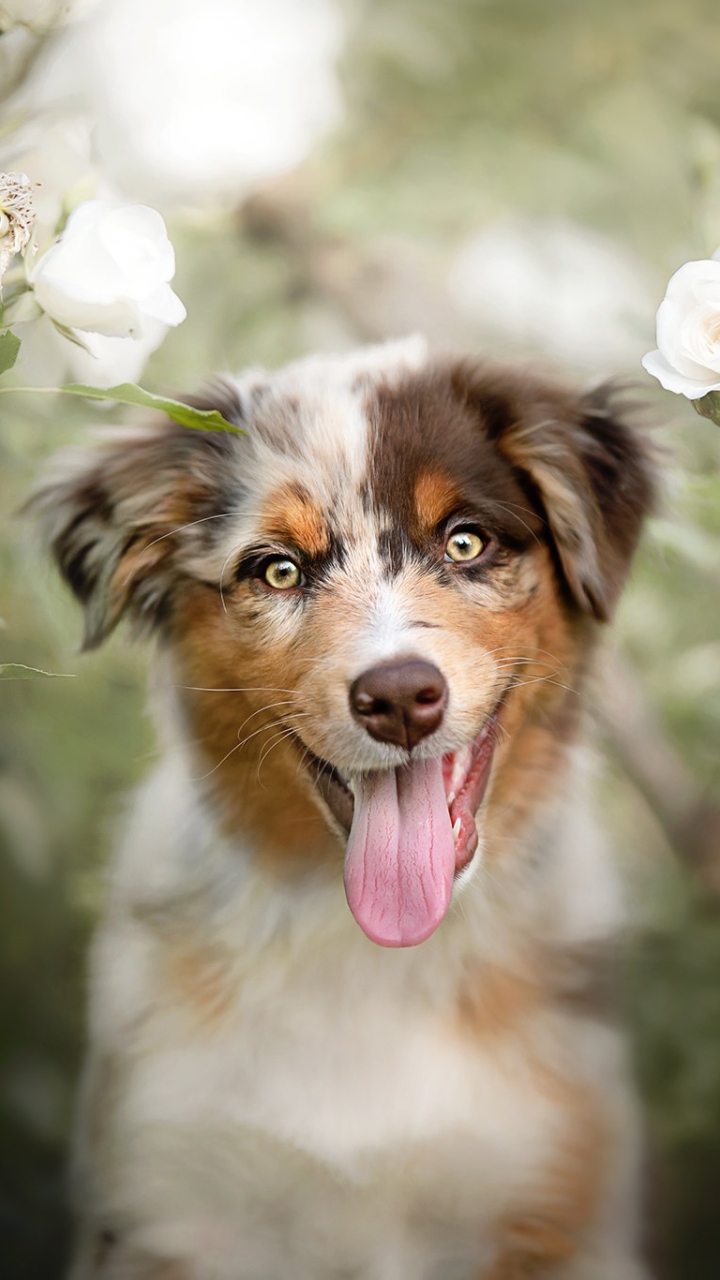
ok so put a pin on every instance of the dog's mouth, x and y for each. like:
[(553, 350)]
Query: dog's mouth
[(411, 831)]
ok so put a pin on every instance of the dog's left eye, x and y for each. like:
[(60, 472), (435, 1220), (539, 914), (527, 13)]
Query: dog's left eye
[(282, 574), (463, 546)]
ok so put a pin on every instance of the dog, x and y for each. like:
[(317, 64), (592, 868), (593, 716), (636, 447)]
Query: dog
[(344, 1014)]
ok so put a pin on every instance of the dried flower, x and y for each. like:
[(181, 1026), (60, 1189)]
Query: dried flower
[(17, 215)]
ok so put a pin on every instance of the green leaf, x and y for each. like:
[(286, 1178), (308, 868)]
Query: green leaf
[(19, 671), (129, 393), (709, 406), (9, 347)]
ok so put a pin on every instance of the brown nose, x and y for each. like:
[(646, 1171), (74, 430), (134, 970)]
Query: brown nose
[(400, 702)]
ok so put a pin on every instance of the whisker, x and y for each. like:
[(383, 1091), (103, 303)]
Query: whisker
[(237, 747), (511, 663), (251, 688), (518, 506), (524, 523), (202, 776), (229, 556), (520, 649), (270, 706), (282, 736), (222, 515), (521, 683)]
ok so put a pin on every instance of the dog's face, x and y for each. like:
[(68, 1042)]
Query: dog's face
[(377, 601)]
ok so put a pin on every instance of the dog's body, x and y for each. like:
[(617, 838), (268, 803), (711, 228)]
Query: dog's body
[(376, 611)]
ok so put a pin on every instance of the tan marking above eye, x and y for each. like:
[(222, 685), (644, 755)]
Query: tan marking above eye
[(463, 546), (281, 574), (436, 496), (291, 516)]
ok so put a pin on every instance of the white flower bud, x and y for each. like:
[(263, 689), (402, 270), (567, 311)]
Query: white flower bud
[(109, 271), (17, 216)]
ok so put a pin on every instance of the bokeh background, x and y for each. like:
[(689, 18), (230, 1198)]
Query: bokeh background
[(513, 176)]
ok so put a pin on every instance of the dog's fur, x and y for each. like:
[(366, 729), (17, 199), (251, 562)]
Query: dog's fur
[(271, 1095)]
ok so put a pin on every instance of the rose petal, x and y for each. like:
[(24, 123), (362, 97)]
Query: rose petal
[(164, 305), (672, 340), (691, 277), (136, 240), (700, 336), (97, 307), (669, 378), (109, 361)]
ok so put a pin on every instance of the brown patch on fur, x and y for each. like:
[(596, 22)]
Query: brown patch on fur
[(586, 979), (541, 713), (493, 1000), (530, 1246), (562, 1206), (293, 517), (236, 731), (576, 980), (200, 976), (435, 497), (558, 1208)]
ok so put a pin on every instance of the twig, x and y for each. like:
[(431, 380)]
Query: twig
[(690, 819)]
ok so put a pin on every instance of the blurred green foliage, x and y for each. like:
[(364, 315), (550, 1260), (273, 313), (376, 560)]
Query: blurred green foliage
[(457, 114)]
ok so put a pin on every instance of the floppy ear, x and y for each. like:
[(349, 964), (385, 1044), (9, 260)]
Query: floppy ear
[(587, 470), (125, 520)]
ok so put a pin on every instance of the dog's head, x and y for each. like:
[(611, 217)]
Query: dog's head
[(376, 601)]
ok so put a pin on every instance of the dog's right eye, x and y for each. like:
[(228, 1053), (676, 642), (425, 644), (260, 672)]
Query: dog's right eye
[(281, 574), (464, 546)]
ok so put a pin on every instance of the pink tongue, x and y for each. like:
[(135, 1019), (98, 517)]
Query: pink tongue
[(400, 859)]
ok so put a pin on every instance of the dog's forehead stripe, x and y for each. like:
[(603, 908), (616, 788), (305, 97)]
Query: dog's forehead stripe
[(428, 453)]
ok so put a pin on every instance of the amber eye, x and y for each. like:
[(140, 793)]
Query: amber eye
[(463, 546), (282, 574)]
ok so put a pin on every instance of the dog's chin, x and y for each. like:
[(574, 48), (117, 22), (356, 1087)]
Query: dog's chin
[(411, 832)]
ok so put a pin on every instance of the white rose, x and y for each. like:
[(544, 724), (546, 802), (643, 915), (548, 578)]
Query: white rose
[(109, 271), (688, 331)]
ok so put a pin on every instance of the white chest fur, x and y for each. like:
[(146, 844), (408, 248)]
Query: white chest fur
[(332, 1110), (290, 1100)]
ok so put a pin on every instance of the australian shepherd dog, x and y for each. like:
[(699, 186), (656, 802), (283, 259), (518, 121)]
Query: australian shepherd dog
[(342, 1020)]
